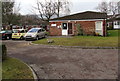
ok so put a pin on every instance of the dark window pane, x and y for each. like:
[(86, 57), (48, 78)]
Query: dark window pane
[(64, 25)]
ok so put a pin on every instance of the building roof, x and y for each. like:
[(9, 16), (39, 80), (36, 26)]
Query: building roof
[(111, 17), (83, 16)]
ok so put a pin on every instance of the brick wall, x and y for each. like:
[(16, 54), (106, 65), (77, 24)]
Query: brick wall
[(55, 31), (87, 26)]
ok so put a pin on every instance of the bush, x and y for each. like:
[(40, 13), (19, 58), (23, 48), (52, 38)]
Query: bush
[(47, 33), (110, 28), (79, 29), (4, 51)]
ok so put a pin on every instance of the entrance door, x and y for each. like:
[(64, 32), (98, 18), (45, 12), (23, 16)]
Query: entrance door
[(69, 28), (64, 29), (99, 27)]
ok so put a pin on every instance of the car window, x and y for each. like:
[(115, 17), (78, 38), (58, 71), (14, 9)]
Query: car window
[(39, 31), (22, 31), (2, 31), (9, 31), (43, 30), (15, 31), (18, 31), (33, 30)]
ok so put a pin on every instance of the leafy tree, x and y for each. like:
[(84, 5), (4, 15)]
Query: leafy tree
[(10, 16), (7, 12), (0, 14)]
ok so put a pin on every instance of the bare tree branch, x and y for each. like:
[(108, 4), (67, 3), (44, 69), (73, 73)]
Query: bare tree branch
[(108, 7)]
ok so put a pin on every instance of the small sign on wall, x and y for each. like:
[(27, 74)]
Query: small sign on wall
[(59, 26), (53, 25)]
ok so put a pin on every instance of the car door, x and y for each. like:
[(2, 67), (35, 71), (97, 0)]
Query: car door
[(43, 32), (39, 33)]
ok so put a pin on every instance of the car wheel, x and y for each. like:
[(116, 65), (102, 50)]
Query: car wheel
[(13, 39), (21, 37)]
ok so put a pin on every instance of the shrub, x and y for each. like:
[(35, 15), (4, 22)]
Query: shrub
[(4, 51), (47, 33), (110, 28), (79, 29)]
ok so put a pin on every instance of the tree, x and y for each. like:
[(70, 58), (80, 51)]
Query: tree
[(7, 12), (62, 6), (50, 8), (46, 9), (10, 13), (108, 7), (0, 14), (113, 7), (103, 7)]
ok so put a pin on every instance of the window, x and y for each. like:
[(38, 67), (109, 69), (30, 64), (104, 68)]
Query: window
[(118, 23), (43, 30), (22, 31), (33, 30), (39, 31), (64, 25), (98, 25), (115, 23)]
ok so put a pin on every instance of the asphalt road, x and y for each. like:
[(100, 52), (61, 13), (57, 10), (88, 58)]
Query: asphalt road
[(66, 63)]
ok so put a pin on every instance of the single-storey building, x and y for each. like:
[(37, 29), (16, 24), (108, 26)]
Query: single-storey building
[(113, 21), (88, 23)]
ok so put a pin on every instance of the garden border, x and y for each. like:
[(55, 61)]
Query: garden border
[(82, 47)]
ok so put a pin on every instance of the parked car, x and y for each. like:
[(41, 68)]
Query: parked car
[(35, 34), (6, 34), (18, 33)]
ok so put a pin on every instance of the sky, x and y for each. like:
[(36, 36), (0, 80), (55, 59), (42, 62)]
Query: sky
[(76, 5)]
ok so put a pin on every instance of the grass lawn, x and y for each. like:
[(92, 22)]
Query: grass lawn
[(110, 41), (15, 69)]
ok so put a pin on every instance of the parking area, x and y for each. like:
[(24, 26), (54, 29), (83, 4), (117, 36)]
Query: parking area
[(66, 63)]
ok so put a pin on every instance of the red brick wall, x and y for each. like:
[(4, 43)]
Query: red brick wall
[(87, 26), (55, 31)]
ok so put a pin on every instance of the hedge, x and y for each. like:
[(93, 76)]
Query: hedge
[(3, 51)]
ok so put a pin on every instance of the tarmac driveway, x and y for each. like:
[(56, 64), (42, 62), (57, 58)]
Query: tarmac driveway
[(66, 63)]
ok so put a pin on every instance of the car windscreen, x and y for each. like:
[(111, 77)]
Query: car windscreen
[(15, 31), (2, 31), (18, 31), (9, 31), (33, 30)]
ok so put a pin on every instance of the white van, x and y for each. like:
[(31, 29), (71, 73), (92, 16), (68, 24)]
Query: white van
[(35, 34)]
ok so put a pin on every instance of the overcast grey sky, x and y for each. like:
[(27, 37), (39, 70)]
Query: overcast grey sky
[(76, 6)]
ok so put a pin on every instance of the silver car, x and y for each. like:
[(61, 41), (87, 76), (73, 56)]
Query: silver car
[(35, 34)]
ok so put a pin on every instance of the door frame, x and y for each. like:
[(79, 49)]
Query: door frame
[(72, 28), (67, 28), (64, 30), (96, 30)]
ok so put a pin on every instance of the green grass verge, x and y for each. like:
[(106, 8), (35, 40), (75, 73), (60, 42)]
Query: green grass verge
[(110, 41), (15, 69)]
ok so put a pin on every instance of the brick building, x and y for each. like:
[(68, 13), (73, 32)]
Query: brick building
[(90, 23)]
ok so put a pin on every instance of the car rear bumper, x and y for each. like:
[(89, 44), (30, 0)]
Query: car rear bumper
[(3, 37), (15, 37)]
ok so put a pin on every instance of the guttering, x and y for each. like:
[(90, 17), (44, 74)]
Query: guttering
[(76, 20)]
